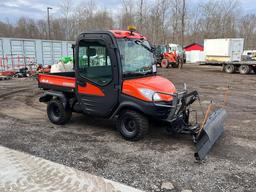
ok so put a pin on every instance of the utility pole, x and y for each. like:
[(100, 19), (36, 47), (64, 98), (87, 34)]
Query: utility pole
[(183, 27), (183, 22), (48, 19), (141, 13)]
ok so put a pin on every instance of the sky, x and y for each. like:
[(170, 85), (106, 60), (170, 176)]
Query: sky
[(11, 10)]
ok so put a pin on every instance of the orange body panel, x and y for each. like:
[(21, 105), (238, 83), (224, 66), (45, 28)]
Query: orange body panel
[(90, 89), (57, 80), (127, 34), (154, 83), (171, 57), (70, 82)]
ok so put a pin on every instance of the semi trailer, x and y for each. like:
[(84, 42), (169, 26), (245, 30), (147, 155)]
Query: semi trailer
[(227, 53)]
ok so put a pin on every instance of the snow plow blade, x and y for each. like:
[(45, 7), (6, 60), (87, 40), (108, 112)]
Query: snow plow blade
[(210, 133)]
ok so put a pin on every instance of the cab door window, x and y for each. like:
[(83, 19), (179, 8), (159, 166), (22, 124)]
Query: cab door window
[(94, 63)]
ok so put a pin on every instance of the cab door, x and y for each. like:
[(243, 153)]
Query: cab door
[(97, 75)]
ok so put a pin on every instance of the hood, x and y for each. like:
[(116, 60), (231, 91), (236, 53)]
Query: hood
[(132, 87)]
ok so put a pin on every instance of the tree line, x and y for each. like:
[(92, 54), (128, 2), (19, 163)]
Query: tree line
[(162, 21)]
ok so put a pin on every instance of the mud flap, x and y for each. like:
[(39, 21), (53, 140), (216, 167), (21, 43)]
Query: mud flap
[(211, 132)]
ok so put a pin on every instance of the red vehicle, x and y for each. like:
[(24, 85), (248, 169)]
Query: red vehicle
[(41, 69), (170, 59), (7, 73), (165, 57), (115, 78)]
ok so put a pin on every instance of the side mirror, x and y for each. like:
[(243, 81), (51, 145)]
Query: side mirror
[(152, 48), (91, 52)]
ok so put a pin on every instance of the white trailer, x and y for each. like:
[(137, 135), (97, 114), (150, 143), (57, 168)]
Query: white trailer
[(228, 54), (18, 52), (223, 50)]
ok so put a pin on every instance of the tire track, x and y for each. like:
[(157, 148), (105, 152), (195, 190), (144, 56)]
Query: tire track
[(13, 92), (30, 101)]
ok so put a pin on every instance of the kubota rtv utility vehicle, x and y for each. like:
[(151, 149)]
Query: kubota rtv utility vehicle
[(115, 77)]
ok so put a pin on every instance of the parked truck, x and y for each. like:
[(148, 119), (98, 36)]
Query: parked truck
[(228, 54)]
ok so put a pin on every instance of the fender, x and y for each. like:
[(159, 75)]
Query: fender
[(127, 104), (50, 94)]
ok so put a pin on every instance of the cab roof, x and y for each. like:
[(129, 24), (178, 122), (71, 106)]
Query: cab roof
[(127, 34)]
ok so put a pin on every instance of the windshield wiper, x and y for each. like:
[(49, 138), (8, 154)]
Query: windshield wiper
[(136, 73), (148, 72), (139, 42), (132, 73)]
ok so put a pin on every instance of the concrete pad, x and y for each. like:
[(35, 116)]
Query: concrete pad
[(21, 172)]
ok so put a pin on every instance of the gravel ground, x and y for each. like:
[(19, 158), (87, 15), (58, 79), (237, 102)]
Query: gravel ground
[(93, 145), (22, 172)]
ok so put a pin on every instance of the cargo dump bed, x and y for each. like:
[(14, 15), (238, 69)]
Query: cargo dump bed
[(57, 81)]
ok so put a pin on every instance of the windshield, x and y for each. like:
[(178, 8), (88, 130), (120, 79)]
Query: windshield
[(135, 57), (177, 48)]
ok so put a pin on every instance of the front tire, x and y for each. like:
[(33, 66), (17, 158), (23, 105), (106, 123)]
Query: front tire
[(57, 114), (132, 125), (176, 64)]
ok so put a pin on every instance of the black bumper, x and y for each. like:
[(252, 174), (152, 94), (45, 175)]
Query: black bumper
[(147, 108)]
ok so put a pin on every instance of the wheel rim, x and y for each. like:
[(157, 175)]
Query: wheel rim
[(164, 63), (129, 126), (244, 69), (229, 68)]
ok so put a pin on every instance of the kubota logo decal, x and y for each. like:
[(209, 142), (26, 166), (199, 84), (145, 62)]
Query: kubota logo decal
[(68, 84), (45, 81)]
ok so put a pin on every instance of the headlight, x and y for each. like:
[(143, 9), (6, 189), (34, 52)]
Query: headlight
[(148, 93)]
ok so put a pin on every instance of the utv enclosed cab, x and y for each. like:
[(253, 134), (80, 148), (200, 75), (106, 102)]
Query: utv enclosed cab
[(115, 77)]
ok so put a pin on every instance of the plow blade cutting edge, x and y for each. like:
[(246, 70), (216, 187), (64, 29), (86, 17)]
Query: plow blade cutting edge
[(211, 132)]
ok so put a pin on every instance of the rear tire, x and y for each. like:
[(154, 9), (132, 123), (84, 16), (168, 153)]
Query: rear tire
[(57, 114), (229, 68), (132, 125), (244, 69)]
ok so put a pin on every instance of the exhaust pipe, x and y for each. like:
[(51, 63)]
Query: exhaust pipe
[(210, 133)]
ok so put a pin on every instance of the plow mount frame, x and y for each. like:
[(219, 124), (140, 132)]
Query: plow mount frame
[(179, 120)]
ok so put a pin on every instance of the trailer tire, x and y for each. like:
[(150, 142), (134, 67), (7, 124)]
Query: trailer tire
[(244, 69), (132, 125), (254, 69), (229, 68), (164, 63), (57, 114)]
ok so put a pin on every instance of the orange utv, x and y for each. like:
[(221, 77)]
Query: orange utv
[(165, 57), (115, 78)]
